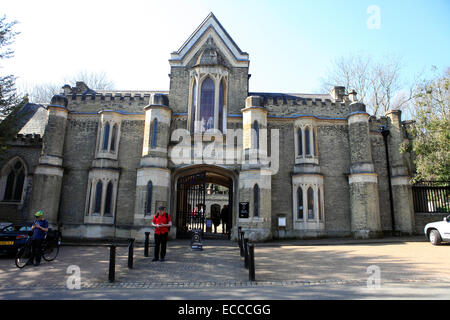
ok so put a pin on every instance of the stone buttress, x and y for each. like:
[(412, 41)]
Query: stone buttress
[(401, 189), (364, 200), (48, 175)]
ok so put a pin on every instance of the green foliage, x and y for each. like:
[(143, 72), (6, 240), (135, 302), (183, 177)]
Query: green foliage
[(10, 102), (431, 132)]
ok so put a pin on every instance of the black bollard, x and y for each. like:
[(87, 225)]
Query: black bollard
[(130, 253), (239, 240), (112, 263), (242, 244), (147, 234), (246, 253), (251, 263)]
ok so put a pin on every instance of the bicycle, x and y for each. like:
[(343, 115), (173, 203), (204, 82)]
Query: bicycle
[(49, 249)]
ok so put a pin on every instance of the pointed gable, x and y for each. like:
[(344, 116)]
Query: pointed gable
[(210, 28)]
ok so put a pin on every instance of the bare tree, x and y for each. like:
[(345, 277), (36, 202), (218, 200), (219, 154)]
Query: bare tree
[(43, 92), (379, 84), (94, 80), (40, 93)]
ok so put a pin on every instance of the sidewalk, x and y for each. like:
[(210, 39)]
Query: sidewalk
[(287, 263)]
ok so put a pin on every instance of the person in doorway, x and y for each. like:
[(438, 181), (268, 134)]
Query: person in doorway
[(162, 222), (40, 229), (224, 218), (215, 217)]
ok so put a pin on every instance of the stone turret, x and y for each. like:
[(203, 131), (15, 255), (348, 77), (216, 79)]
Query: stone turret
[(153, 176), (364, 201), (254, 117), (255, 183), (401, 189), (49, 172)]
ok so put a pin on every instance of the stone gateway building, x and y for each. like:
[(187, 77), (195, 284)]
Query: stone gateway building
[(293, 165)]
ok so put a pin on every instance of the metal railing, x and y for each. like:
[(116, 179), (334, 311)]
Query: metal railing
[(431, 197)]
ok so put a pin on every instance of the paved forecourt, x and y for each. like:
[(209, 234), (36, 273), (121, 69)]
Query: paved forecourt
[(285, 264)]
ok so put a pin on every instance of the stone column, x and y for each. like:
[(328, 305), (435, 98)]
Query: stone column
[(254, 111), (153, 166), (48, 175), (364, 203), (401, 189), (257, 228)]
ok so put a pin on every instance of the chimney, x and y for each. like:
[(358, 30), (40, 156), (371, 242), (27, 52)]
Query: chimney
[(338, 93)]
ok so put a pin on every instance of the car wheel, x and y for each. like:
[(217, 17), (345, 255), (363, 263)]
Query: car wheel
[(435, 237)]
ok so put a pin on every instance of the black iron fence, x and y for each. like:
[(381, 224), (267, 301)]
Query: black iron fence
[(431, 196)]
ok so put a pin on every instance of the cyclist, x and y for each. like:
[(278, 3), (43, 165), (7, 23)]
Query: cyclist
[(40, 229)]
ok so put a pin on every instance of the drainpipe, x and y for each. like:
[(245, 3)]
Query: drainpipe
[(385, 133)]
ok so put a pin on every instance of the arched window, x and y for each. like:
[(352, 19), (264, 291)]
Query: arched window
[(154, 133), (15, 182), (300, 142), (98, 197), (256, 201), (106, 137), (314, 142), (310, 195), (114, 137), (108, 199), (300, 203), (207, 105), (320, 204), (148, 202), (194, 105), (221, 103), (307, 142), (256, 133)]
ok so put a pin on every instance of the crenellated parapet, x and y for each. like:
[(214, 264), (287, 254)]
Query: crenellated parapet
[(27, 140), (322, 105)]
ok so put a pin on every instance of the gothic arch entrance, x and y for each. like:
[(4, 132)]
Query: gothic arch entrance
[(195, 189)]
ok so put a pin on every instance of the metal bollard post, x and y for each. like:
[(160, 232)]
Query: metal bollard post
[(251, 257), (242, 244), (130, 253), (239, 239), (112, 263), (246, 253), (147, 234)]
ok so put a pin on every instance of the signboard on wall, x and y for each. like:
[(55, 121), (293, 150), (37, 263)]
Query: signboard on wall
[(243, 209)]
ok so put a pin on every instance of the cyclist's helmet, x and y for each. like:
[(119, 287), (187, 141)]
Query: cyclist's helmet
[(39, 213)]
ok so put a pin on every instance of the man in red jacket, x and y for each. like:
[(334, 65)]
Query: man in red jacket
[(162, 222)]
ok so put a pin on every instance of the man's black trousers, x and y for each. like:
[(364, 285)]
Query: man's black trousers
[(36, 250), (160, 245)]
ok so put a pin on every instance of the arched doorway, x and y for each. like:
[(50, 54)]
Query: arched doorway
[(193, 197)]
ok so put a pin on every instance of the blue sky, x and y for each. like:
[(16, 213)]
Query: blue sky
[(291, 43)]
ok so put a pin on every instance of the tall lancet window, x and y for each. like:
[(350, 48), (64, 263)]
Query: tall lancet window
[(207, 105), (106, 137), (256, 134), (98, 197), (221, 103), (108, 200), (256, 200), (307, 142), (300, 142), (310, 195), (114, 138), (194, 104), (154, 133)]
